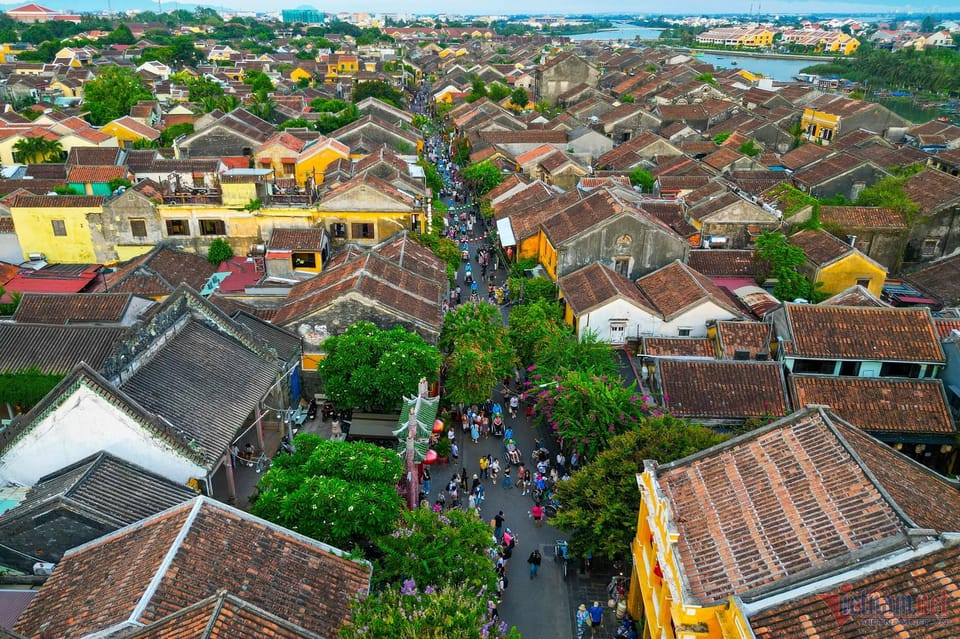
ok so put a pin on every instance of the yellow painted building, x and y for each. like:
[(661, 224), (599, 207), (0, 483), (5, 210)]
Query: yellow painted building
[(57, 226), (546, 255), (819, 125), (836, 265), (315, 157), (756, 38), (299, 74)]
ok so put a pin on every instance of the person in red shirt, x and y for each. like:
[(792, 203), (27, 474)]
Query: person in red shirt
[(537, 512)]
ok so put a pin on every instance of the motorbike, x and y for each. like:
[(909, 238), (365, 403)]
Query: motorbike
[(312, 410), (627, 629), (286, 446), (327, 411)]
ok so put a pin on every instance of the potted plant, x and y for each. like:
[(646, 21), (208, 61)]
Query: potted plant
[(442, 448)]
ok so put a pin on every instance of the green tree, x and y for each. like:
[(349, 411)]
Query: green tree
[(407, 611), (258, 81), (8, 307), (478, 89), (380, 90), (37, 150), (928, 24), (782, 262), (340, 493), (121, 35), (370, 368), (199, 89), (452, 550), (749, 148), (519, 98), (23, 388), (174, 131), (262, 106), (480, 353), (562, 352), (111, 94), (482, 177), (601, 501), (531, 326), (642, 178), (721, 137), (220, 251), (431, 176), (889, 193), (497, 91)]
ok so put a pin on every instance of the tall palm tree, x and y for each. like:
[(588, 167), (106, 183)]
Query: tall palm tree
[(262, 105), (35, 150)]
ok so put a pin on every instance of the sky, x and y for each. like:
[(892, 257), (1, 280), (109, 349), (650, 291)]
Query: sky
[(507, 7)]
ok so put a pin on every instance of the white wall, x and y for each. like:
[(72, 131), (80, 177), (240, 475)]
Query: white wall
[(83, 425), (642, 324)]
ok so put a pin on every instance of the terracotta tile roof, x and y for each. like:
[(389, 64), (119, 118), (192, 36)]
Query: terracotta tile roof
[(827, 169), (940, 280), (723, 389), (222, 615), (598, 206), (58, 201), (71, 309), (753, 337), (527, 209), (172, 560), (524, 137), (409, 254), (159, 272), (931, 578), (880, 405), (762, 492), (90, 174), (856, 295), (679, 347), (296, 239), (932, 190), (136, 126), (676, 287), (820, 247), (723, 157), (375, 277), (858, 333), (862, 217), (803, 155), (592, 286)]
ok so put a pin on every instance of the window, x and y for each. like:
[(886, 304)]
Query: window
[(304, 260), (683, 332), (361, 231), (138, 228), (618, 331), (338, 230), (930, 246), (59, 228), (178, 227), (622, 266), (213, 227), (864, 282), (900, 369), (850, 368), (819, 366)]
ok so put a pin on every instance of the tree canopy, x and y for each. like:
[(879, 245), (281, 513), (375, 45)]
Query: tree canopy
[(371, 368), (642, 178), (36, 150), (380, 90), (783, 262), (482, 177), (480, 353), (340, 493), (601, 501), (111, 94)]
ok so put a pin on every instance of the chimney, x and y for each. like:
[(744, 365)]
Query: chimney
[(853, 240)]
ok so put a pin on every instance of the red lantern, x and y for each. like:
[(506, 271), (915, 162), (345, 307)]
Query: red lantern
[(438, 426), (430, 458)]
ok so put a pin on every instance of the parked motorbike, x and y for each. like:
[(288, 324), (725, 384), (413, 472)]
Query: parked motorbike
[(312, 410), (286, 446), (327, 411)]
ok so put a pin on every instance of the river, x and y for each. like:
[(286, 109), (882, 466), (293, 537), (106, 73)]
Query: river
[(778, 69)]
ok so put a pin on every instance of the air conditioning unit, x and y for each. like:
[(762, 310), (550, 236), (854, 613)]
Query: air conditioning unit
[(36, 257), (43, 569), (258, 249)]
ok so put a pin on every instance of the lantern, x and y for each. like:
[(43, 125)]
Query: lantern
[(430, 458), (438, 426)]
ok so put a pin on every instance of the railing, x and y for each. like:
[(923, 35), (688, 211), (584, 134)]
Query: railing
[(210, 197)]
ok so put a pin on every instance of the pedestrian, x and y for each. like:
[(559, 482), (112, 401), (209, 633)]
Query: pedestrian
[(485, 426), (537, 512), (514, 405), (437, 506), (561, 461), (454, 450), (507, 481), (476, 482), (498, 525), (442, 500), (475, 432), (527, 481), (463, 478), (479, 492), (582, 617), (596, 616), (534, 560), (484, 464), (494, 469), (426, 479), (472, 502)]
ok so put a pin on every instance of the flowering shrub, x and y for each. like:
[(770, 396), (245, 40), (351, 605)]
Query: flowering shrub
[(449, 549), (407, 612), (587, 410)]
